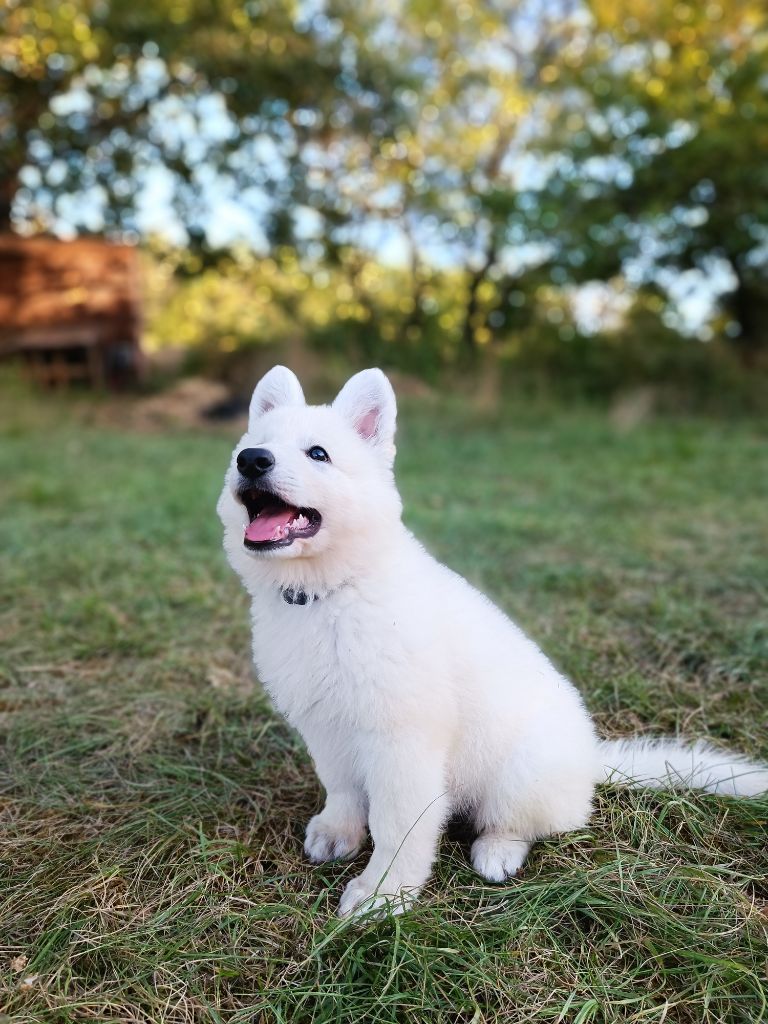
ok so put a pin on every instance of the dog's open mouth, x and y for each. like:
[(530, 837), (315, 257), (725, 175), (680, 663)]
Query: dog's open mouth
[(273, 522)]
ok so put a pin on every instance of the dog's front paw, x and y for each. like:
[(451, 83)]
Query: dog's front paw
[(328, 840), (360, 899)]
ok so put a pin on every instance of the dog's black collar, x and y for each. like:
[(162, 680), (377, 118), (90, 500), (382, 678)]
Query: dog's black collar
[(292, 596)]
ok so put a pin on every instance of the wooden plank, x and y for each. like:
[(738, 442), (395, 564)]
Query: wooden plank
[(70, 302)]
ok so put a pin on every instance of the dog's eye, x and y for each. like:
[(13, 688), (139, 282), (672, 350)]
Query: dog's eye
[(318, 454)]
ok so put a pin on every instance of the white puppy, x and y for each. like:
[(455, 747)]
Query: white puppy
[(415, 695)]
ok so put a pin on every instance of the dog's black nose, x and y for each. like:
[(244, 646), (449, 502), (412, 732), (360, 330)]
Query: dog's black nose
[(255, 462)]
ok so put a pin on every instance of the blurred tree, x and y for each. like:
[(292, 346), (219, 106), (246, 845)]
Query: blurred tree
[(483, 156), (438, 170), (662, 120), (92, 91)]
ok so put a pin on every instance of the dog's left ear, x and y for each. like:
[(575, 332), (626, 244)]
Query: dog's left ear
[(278, 387), (367, 401)]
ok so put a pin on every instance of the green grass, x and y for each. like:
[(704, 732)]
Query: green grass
[(152, 805)]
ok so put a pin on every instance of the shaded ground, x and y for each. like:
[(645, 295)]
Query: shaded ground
[(153, 806)]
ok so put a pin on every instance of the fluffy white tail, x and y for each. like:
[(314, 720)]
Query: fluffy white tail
[(672, 764)]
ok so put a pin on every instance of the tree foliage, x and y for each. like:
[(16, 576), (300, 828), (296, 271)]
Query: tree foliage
[(519, 150), (92, 92), (661, 114)]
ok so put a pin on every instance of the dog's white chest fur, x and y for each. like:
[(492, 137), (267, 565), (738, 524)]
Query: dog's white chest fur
[(307, 656), (345, 658)]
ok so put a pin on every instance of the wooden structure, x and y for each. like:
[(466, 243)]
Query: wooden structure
[(71, 310)]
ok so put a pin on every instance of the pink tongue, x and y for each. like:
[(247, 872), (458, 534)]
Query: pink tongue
[(268, 525)]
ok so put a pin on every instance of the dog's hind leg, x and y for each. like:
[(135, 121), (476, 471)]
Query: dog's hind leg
[(510, 822), (498, 856), (540, 791)]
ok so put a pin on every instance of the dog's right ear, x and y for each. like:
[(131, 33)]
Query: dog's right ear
[(278, 387), (367, 401)]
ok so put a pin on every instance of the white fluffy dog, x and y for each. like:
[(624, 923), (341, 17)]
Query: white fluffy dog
[(415, 695)]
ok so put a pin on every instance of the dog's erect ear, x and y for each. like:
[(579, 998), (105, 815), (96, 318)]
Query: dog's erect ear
[(367, 401), (278, 387)]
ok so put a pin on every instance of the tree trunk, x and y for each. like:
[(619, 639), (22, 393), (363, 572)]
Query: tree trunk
[(415, 317), (8, 186), (469, 343), (748, 306)]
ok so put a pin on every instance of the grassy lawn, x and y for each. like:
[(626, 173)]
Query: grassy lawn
[(152, 805)]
